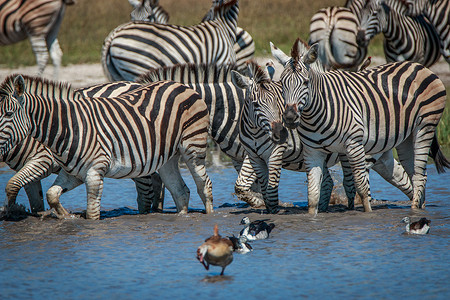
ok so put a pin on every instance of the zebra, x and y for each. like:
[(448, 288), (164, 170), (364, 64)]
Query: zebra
[(133, 48), (148, 10), (270, 146), (405, 38), (396, 105), (37, 20), (224, 101), (244, 47), (129, 136), (438, 12), (338, 33), (33, 161)]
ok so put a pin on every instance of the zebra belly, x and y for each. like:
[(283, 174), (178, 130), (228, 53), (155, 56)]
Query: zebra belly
[(127, 168)]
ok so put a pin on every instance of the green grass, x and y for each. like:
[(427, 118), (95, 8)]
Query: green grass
[(87, 23)]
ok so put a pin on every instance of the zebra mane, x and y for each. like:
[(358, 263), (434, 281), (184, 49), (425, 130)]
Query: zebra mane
[(188, 73), (225, 6), (258, 74), (299, 48), (39, 86)]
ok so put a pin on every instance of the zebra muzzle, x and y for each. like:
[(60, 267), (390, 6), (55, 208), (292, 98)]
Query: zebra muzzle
[(290, 116), (279, 132)]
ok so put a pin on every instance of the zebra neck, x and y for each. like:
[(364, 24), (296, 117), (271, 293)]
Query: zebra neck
[(51, 123)]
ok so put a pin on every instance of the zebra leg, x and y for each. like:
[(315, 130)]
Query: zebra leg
[(35, 196), (348, 182), (170, 175), (149, 193), (63, 183), (196, 165), (32, 171), (39, 46), (244, 183), (260, 167), (325, 190), (274, 173), (315, 164), (394, 173), (357, 159), (56, 56), (94, 190)]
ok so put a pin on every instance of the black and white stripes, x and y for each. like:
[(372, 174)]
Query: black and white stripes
[(135, 47), (130, 136), (357, 113), (38, 20)]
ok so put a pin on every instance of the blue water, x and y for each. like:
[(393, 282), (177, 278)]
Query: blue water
[(339, 254)]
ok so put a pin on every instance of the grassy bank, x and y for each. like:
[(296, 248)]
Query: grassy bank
[(87, 23)]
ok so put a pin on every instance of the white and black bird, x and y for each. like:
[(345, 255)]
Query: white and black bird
[(419, 227), (256, 230), (240, 244)]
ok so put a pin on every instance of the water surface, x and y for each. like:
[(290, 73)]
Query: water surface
[(339, 254)]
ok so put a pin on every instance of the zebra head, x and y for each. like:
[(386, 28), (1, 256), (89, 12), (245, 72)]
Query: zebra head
[(14, 124), (148, 10), (295, 80), (374, 19), (416, 8), (263, 101)]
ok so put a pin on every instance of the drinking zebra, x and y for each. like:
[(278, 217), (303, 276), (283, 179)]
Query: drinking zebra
[(396, 105), (38, 20), (130, 136), (224, 101), (336, 30), (33, 162), (405, 38), (438, 12), (270, 146), (148, 10), (133, 48)]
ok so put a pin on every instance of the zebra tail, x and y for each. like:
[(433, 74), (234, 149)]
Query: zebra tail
[(439, 158)]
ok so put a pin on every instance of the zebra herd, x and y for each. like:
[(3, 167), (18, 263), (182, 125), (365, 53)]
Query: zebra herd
[(173, 86)]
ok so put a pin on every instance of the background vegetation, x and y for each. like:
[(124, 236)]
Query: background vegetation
[(88, 22)]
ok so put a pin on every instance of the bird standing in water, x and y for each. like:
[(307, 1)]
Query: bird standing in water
[(420, 227), (216, 251)]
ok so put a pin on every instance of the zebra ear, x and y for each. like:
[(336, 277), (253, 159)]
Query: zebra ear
[(240, 80), (279, 55), (19, 88), (311, 55)]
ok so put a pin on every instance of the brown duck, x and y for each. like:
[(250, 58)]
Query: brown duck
[(216, 251)]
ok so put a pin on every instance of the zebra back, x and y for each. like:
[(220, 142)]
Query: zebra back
[(336, 29), (223, 99), (406, 38), (148, 10), (438, 12), (133, 48)]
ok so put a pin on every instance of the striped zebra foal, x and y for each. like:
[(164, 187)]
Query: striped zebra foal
[(130, 136), (270, 149), (133, 48), (438, 12), (148, 10), (33, 161), (37, 20), (405, 38), (396, 105), (225, 102), (336, 30)]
